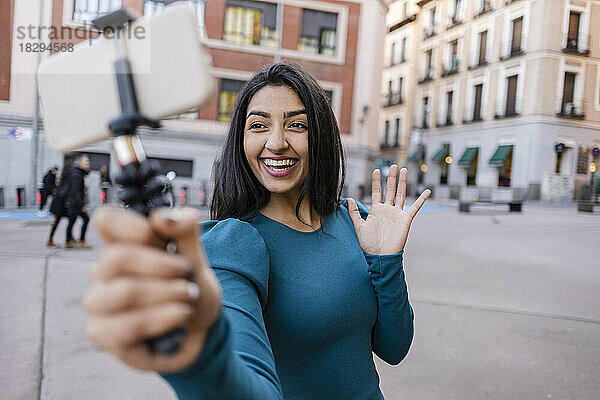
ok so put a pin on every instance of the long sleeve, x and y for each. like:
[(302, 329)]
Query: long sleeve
[(393, 330), (237, 361)]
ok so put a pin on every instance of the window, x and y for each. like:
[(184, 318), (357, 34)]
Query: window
[(97, 160), (389, 93), (87, 10), (456, 15), (453, 67), (183, 168), (400, 83), (251, 23), (432, 20), (517, 30), (482, 47), (449, 99), (228, 91), (318, 33), (393, 54), (425, 112), (151, 7), (386, 134), (583, 158), (428, 62), (573, 33), (511, 96), (477, 104), (329, 95), (403, 51), (567, 107), (505, 170), (472, 166), (397, 133), (444, 165), (405, 10)]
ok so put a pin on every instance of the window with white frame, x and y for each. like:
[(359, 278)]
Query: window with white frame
[(250, 23), (403, 51), (318, 32), (85, 11)]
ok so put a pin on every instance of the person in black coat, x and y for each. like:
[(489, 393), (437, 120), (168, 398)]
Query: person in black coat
[(58, 205), (77, 201), (48, 186)]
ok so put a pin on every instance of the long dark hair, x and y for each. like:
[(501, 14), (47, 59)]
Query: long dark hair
[(238, 193)]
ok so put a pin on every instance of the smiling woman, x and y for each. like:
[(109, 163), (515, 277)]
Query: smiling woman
[(293, 288)]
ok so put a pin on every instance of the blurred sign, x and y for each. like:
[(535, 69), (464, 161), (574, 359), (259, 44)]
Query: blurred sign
[(20, 133)]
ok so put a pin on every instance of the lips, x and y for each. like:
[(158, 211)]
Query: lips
[(279, 166)]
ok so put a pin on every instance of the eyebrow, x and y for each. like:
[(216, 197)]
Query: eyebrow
[(287, 114)]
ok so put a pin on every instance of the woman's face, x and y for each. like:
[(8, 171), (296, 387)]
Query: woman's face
[(276, 139)]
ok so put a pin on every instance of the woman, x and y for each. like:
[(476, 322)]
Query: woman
[(58, 207), (306, 287)]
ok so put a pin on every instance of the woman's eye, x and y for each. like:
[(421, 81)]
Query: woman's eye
[(298, 125), (257, 125)]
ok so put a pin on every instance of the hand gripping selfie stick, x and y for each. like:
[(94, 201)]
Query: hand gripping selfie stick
[(142, 187)]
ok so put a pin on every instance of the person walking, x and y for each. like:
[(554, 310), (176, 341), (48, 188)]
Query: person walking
[(77, 203), (58, 204), (48, 186)]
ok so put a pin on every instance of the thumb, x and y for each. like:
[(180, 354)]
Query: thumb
[(354, 213)]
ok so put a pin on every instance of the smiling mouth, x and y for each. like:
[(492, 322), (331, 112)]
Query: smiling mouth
[(279, 167)]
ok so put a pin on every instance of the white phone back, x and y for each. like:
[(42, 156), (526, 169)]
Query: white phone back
[(78, 90)]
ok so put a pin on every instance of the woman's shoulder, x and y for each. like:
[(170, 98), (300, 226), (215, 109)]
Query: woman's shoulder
[(231, 232)]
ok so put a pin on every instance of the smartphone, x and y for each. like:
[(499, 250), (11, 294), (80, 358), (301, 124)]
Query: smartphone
[(170, 68)]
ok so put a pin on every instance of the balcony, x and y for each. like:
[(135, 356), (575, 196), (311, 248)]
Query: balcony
[(454, 21), (479, 64), (429, 32), (571, 110), (452, 69), (406, 20), (485, 8), (427, 76), (514, 51), (392, 99), (577, 44)]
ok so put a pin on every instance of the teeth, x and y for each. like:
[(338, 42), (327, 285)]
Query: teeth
[(279, 163)]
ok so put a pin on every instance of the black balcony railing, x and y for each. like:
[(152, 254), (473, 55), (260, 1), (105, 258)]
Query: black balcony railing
[(577, 44), (452, 69), (427, 76), (479, 63), (486, 6), (570, 110), (516, 49), (392, 99)]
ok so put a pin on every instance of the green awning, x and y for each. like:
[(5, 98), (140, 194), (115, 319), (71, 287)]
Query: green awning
[(441, 154), (501, 153), (468, 156), (415, 157)]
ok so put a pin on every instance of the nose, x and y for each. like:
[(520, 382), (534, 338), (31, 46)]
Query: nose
[(277, 142)]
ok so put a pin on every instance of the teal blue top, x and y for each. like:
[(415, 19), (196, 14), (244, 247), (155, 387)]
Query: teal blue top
[(302, 312)]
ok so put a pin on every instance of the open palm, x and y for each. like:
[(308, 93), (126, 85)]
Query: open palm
[(386, 228)]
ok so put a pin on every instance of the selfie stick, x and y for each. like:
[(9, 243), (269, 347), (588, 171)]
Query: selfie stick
[(142, 187)]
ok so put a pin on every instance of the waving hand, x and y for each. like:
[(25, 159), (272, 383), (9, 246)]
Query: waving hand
[(386, 228)]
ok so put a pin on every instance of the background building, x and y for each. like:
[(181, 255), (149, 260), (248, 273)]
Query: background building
[(507, 100), (340, 42)]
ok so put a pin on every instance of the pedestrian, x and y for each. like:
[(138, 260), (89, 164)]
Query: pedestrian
[(307, 288), (48, 186), (58, 205), (77, 203)]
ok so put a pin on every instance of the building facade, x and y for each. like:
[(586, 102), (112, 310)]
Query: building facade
[(507, 100), (340, 42)]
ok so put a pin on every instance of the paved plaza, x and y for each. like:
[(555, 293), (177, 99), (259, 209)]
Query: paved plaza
[(507, 306)]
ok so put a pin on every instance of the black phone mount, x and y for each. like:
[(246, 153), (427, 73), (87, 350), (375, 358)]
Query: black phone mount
[(142, 188)]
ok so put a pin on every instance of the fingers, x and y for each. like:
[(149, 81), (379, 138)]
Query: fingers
[(354, 213), (180, 225), (401, 192), (132, 227), (376, 187), (132, 293), (126, 328), (390, 188), (137, 260), (416, 206)]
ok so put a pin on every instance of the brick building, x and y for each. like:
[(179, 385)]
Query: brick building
[(340, 42)]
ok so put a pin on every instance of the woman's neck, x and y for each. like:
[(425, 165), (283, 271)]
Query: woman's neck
[(282, 208)]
